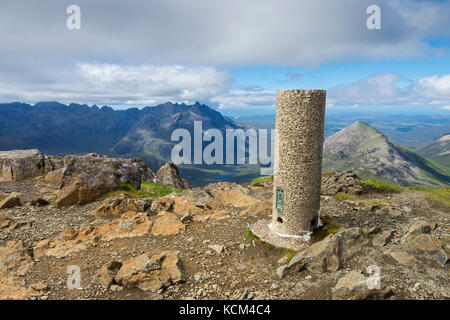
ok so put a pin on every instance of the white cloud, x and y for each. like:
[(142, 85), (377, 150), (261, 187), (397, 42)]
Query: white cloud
[(388, 89), (244, 98), (146, 84), (115, 84)]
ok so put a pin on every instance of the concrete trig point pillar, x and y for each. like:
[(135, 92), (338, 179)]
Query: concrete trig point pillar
[(300, 116)]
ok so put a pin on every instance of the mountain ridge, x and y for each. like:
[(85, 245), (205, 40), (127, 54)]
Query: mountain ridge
[(362, 148)]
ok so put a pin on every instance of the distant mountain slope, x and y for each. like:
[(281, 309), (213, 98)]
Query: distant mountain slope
[(361, 148), (438, 150), (150, 137), (60, 129)]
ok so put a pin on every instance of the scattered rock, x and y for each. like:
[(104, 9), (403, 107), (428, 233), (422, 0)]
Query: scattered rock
[(217, 248), (420, 227), (282, 271), (383, 238), (337, 182)]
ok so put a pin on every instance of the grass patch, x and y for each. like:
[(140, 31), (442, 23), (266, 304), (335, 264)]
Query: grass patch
[(328, 227), (248, 235), (381, 186), (148, 190), (342, 196), (439, 194), (262, 179), (290, 253)]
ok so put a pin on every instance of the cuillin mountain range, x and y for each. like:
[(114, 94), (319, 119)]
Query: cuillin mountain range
[(60, 129)]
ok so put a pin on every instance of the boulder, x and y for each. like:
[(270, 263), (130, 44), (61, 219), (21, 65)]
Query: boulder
[(328, 254), (86, 178), (423, 246), (150, 272), (105, 276), (168, 175), (354, 286), (13, 200), (17, 165), (419, 227), (167, 224)]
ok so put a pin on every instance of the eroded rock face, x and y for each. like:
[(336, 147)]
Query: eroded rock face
[(86, 178), (168, 175), (17, 165), (150, 272), (328, 254)]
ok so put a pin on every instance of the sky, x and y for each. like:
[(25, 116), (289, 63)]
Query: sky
[(231, 55)]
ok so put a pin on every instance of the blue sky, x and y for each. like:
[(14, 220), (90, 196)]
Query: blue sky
[(232, 55)]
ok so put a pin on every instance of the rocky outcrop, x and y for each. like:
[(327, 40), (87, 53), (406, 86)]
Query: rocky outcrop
[(17, 165), (328, 254), (168, 175), (86, 178)]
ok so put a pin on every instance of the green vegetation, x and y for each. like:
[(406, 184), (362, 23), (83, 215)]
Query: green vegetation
[(328, 227), (262, 179), (342, 196), (248, 235), (148, 190), (442, 195), (290, 254), (381, 186)]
